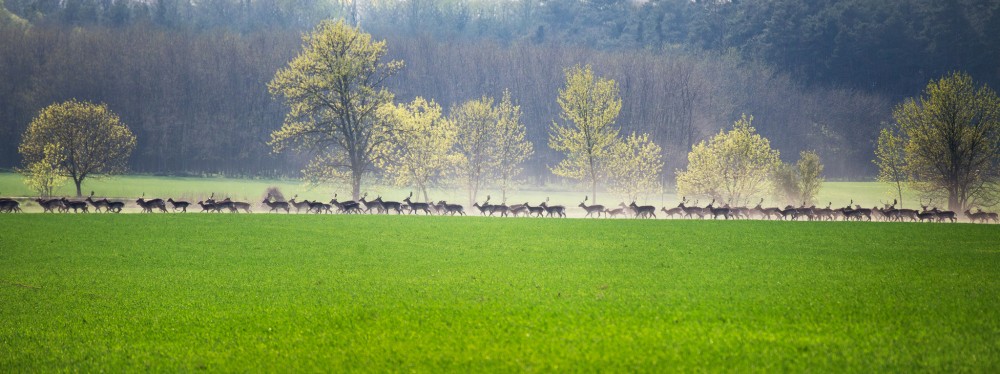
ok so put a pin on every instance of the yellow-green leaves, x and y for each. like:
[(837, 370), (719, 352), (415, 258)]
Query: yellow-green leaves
[(590, 106), (947, 143), (75, 140), (730, 167), (491, 141), (419, 151), (635, 167), (334, 89)]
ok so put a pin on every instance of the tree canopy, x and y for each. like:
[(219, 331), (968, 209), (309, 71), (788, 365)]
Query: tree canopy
[(950, 138), (78, 140), (731, 167), (334, 89)]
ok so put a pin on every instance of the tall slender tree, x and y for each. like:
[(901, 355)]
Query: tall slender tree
[(590, 105)]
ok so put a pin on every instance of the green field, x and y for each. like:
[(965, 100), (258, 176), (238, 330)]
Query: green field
[(262, 293), (193, 189)]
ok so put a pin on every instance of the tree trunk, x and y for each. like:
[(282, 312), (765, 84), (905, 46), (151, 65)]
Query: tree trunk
[(954, 204), (593, 191), (355, 185), (78, 182)]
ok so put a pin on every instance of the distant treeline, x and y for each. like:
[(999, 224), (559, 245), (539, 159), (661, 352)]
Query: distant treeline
[(890, 47), (194, 90)]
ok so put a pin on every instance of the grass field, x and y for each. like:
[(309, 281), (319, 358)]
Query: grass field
[(126, 293), (253, 190)]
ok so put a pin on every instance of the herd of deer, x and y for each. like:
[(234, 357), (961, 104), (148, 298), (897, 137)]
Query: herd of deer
[(888, 212)]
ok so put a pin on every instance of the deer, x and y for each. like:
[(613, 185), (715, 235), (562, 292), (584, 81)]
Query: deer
[(899, 214), (77, 206), (183, 205), (689, 211), (209, 206), (9, 206), (298, 205), (558, 210), (451, 208), (113, 206), (644, 211), (943, 214), (989, 215), (592, 208), (96, 204), (346, 206), (503, 209), (766, 212), (51, 205), (518, 209), (414, 207), (235, 206), (824, 213), (535, 210), (156, 203), (484, 207), (371, 204), (147, 206), (716, 212), (390, 205), (669, 213), (614, 212), (276, 205), (980, 216)]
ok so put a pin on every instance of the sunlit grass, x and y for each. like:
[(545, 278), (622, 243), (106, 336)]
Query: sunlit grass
[(257, 293)]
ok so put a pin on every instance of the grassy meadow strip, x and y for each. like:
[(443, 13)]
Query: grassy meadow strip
[(375, 293)]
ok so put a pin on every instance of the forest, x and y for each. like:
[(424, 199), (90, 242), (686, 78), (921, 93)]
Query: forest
[(190, 78)]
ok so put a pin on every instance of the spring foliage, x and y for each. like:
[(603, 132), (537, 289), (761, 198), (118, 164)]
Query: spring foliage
[(334, 89), (950, 139), (891, 161), (731, 167), (420, 152), (492, 142), (635, 167), (75, 140)]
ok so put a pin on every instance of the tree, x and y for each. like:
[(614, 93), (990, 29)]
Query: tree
[(951, 141), (334, 89), (476, 121), (635, 167), (590, 105), (419, 153), (78, 140), (511, 149), (890, 159), (810, 176), (43, 176), (730, 167)]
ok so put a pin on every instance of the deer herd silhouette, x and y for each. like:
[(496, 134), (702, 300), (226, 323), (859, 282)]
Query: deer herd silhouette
[(685, 209)]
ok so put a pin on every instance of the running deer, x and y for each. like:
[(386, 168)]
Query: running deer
[(113, 206), (182, 205), (238, 205), (451, 208), (484, 207), (766, 212), (371, 204), (276, 205), (77, 206), (592, 208), (558, 210), (716, 212), (390, 205), (414, 207), (298, 205), (645, 211), (537, 211), (97, 204), (9, 206), (51, 205)]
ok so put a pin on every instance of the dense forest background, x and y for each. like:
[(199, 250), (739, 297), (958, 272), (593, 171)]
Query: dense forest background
[(189, 76)]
